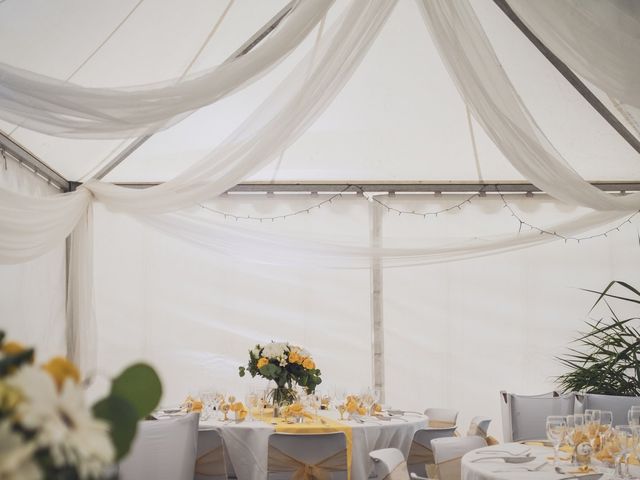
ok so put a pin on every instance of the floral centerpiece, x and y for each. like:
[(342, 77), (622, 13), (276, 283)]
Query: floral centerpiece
[(47, 431), (287, 365)]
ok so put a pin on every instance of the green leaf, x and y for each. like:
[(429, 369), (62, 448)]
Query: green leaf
[(123, 422), (9, 363), (241, 372), (140, 385)]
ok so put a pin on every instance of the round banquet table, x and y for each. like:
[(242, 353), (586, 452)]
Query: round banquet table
[(246, 443), (499, 470)]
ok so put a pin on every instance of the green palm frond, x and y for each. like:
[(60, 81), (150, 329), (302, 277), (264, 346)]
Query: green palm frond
[(606, 358)]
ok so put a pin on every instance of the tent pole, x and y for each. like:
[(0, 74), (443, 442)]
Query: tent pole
[(377, 307), (571, 77), (246, 47)]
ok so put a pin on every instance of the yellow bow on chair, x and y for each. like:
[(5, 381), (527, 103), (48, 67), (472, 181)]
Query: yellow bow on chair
[(282, 462)]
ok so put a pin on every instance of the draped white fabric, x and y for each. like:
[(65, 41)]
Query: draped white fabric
[(491, 97), (32, 293), (596, 39), (264, 245), (65, 109)]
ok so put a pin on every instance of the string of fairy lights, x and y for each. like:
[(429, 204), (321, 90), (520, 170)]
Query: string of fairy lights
[(360, 192)]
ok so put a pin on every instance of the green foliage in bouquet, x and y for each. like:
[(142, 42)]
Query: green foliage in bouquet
[(285, 364), (88, 440), (607, 358)]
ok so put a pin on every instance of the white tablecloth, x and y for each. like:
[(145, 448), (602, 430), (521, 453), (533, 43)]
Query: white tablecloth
[(499, 470), (247, 442)]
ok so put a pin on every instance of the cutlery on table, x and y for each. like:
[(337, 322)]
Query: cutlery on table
[(490, 451), (528, 469), (506, 459), (584, 476)]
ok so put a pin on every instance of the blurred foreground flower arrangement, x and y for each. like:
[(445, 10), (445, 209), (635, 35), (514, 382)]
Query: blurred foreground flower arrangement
[(47, 431)]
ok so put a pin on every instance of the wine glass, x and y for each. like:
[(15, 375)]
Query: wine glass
[(621, 447), (556, 431)]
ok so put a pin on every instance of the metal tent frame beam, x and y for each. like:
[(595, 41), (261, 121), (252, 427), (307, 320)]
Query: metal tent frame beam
[(571, 77), (245, 48), (24, 156), (402, 187)]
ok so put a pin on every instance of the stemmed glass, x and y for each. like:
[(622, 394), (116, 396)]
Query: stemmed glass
[(252, 403), (575, 433), (622, 444), (556, 431)]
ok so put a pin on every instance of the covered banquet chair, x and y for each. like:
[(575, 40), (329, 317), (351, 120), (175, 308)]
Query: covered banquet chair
[(420, 460), (618, 405), (321, 455), (163, 450), (448, 453), (524, 417), (210, 461), (389, 464), (441, 417)]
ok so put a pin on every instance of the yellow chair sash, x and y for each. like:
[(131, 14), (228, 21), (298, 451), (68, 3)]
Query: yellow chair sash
[(282, 462), (440, 424), (398, 473), (211, 463), (320, 425)]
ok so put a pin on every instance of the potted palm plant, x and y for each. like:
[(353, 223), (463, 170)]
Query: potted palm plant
[(606, 359)]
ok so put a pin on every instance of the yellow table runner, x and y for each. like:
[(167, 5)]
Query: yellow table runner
[(313, 424)]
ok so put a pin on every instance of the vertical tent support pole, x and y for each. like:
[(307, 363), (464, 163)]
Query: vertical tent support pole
[(377, 310)]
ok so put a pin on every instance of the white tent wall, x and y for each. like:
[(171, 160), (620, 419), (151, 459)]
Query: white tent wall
[(194, 316), (449, 328), (32, 294)]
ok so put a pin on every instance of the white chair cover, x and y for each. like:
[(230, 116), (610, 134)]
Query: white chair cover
[(389, 464), (448, 453), (523, 417), (210, 461), (479, 426), (163, 450), (420, 460), (619, 406), (441, 417), (308, 456)]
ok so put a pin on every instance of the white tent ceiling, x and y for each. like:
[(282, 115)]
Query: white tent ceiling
[(400, 118)]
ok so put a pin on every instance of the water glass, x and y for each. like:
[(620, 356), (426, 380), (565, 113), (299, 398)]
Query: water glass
[(634, 416), (556, 432)]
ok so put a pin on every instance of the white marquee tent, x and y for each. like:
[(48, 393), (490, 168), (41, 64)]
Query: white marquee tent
[(398, 100)]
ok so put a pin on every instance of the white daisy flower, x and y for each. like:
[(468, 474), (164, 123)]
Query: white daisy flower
[(63, 423)]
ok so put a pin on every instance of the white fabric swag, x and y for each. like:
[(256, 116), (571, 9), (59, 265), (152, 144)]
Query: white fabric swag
[(33, 226), (493, 100), (595, 38), (55, 107)]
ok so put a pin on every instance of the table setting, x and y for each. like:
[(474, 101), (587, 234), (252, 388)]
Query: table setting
[(294, 404), (580, 446)]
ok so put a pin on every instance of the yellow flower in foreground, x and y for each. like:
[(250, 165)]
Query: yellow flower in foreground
[(262, 362), (13, 348), (60, 369), (9, 397), (197, 406), (308, 364)]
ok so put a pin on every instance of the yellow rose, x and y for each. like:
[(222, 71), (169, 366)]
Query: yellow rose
[(377, 407), (60, 369), (294, 357), (308, 364), (13, 348), (9, 397), (262, 362), (197, 406)]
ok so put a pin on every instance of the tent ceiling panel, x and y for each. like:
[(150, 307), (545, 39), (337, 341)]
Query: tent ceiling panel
[(399, 118)]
